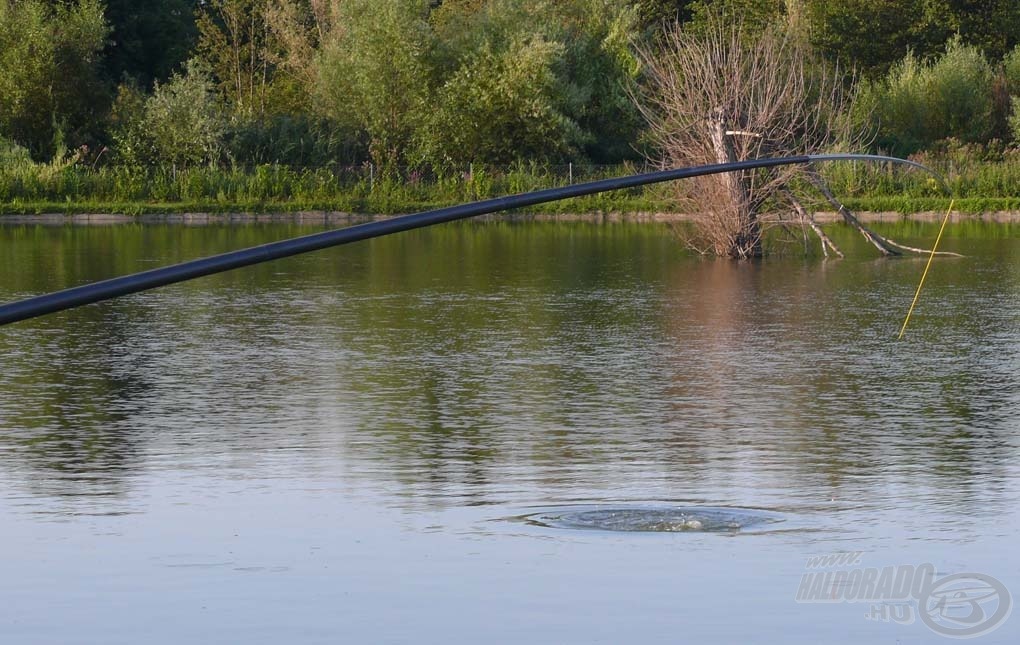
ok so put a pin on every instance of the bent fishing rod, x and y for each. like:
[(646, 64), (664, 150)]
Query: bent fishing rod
[(135, 282)]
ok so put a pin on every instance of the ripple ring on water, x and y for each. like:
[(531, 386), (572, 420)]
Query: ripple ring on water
[(658, 519)]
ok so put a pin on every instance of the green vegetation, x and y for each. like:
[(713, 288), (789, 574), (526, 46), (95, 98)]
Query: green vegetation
[(30, 187), (981, 184), (50, 90), (388, 105)]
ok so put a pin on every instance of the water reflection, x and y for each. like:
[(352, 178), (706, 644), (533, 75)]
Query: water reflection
[(69, 416), (500, 364)]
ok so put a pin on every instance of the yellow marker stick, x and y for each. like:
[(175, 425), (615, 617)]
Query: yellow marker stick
[(924, 275)]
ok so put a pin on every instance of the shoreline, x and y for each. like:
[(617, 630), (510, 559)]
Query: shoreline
[(334, 217)]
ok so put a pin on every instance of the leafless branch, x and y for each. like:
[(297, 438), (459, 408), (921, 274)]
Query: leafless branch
[(723, 94)]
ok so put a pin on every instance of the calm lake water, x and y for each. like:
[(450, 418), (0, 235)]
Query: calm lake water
[(427, 438)]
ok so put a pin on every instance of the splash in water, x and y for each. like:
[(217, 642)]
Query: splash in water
[(654, 519)]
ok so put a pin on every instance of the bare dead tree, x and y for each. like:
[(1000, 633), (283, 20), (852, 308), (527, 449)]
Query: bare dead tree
[(722, 94)]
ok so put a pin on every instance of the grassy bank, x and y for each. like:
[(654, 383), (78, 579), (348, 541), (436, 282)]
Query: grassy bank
[(367, 206), (46, 188), (979, 186)]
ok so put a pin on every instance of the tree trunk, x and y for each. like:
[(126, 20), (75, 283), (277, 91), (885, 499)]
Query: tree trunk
[(747, 243)]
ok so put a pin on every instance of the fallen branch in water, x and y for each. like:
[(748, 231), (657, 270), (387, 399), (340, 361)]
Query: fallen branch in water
[(809, 219), (922, 251), (876, 240)]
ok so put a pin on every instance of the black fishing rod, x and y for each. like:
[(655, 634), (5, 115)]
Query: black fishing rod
[(135, 282)]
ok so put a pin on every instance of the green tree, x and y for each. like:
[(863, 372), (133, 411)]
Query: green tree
[(653, 14), (920, 102), (589, 73), (755, 15), (869, 35), (500, 106), (50, 92), (149, 39), (873, 35), (960, 90), (1011, 70), (602, 71), (13, 154), (1011, 89), (376, 73), (1014, 118), (236, 41), (993, 26), (183, 119), (263, 55), (132, 141)]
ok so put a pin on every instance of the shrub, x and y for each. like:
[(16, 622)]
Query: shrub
[(184, 118), (921, 102)]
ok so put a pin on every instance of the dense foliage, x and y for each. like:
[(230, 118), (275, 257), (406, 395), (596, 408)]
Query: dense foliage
[(439, 85)]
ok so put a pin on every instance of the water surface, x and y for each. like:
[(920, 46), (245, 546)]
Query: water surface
[(340, 447)]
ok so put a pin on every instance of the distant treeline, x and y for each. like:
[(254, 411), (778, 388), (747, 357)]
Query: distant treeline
[(441, 84)]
